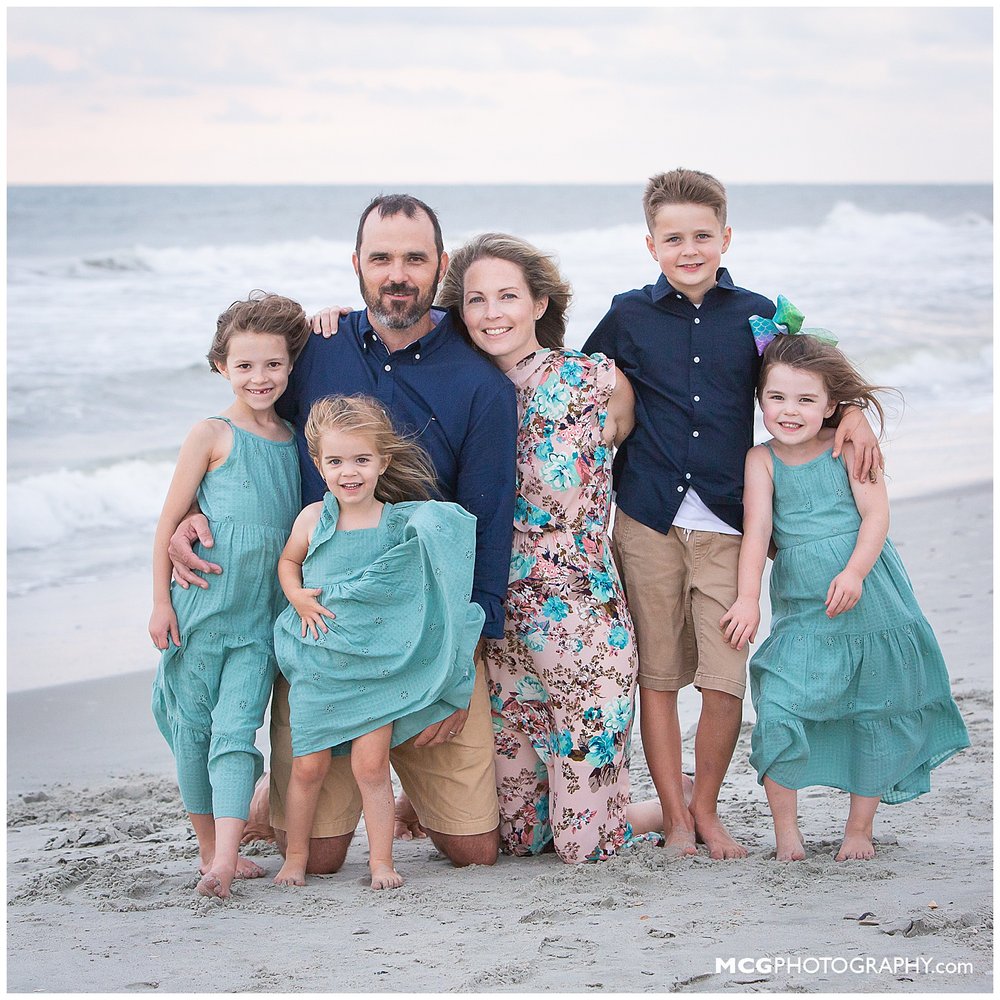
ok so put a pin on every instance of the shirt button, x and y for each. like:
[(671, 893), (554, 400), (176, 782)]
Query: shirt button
[(680, 489), (697, 360), (697, 399), (694, 434), (697, 320), (687, 475), (680, 296), (417, 356), (388, 368)]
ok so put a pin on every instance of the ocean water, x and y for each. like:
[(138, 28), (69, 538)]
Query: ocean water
[(113, 292)]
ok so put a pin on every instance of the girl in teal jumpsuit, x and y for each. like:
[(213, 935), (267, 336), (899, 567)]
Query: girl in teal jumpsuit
[(217, 665)]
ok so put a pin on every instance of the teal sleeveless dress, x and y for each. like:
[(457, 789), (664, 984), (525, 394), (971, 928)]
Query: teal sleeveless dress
[(860, 702), (401, 648), (210, 694)]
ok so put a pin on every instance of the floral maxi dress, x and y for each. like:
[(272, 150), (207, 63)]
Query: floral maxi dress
[(562, 680)]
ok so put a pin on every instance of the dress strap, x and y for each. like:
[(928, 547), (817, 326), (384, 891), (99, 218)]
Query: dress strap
[(226, 419)]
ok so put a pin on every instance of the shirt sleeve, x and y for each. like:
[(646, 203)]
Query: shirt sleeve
[(485, 488), (605, 338)]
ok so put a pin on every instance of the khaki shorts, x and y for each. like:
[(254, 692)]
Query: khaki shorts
[(677, 589), (452, 786)]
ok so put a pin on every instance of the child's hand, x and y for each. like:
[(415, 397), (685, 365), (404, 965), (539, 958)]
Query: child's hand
[(310, 611), (163, 624), (844, 593), (327, 320), (743, 618)]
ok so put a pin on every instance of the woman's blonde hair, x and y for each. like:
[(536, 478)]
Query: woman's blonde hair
[(410, 474), (843, 382), (541, 275)]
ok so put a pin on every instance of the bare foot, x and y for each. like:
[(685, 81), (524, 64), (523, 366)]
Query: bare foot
[(679, 841), (292, 873), (384, 876), (245, 868), (216, 883), (856, 847), (788, 845), (716, 838), (407, 825)]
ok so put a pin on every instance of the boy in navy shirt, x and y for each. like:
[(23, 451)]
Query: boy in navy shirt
[(686, 346)]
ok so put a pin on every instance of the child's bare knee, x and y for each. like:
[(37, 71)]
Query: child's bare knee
[(311, 770), (370, 771)]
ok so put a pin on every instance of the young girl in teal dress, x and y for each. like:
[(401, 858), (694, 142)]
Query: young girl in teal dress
[(394, 652), (850, 688), (217, 667)]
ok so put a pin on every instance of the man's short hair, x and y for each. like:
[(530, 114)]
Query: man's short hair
[(684, 187), (389, 205)]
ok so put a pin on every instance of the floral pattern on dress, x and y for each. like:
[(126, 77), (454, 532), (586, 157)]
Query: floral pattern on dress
[(562, 680)]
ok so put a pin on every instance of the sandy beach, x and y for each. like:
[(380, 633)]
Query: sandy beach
[(101, 864)]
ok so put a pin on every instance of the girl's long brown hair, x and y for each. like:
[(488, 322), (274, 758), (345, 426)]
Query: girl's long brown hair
[(843, 382), (410, 474)]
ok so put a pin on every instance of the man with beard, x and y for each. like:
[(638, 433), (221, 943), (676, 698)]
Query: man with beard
[(462, 409)]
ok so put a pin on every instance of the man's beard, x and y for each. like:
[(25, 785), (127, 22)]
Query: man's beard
[(396, 315)]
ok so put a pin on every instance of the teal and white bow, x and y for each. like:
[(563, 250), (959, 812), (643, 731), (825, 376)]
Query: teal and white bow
[(787, 320)]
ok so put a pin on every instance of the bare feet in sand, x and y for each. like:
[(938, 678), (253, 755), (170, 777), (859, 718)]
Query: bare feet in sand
[(407, 825), (679, 841), (292, 873), (716, 838), (384, 876), (216, 882), (788, 845), (245, 868), (857, 846)]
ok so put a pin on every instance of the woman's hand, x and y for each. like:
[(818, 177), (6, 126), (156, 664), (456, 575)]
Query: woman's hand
[(741, 621), (310, 610)]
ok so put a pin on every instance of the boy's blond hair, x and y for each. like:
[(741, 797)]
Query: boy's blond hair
[(684, 187)]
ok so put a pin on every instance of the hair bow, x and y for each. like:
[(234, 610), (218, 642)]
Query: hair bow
[(787, 320)]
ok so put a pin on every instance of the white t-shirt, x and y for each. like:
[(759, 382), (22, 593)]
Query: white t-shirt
[(695, 516)]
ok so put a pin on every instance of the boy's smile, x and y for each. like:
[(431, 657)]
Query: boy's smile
[(688, 242)]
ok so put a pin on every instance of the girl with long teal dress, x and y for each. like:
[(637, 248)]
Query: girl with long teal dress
[(378, 639), (217, 665), (850, 687)]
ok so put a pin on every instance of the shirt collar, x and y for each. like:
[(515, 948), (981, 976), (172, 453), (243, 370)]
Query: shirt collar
[(423, 344), (663, 288)]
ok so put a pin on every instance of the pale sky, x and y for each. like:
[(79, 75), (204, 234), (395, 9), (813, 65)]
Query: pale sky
[(517, 94)]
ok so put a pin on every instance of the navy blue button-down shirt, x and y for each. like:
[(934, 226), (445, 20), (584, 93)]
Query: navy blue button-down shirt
[(460, 407), (694, 371)]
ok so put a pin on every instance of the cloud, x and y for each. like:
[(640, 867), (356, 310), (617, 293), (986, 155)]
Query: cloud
[(500, 94)]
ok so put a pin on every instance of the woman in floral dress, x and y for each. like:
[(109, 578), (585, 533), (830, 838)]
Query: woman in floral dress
[(562, 680)]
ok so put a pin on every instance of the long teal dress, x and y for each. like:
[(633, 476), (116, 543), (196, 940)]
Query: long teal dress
[(400, 649), (210, 693), (860, 702)]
